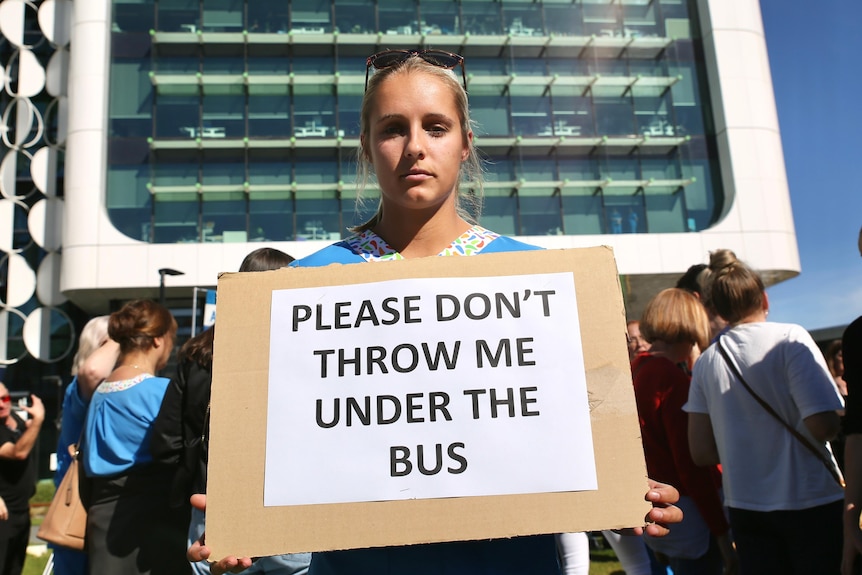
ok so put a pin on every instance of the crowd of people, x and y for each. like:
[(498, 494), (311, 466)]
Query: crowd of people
[(735, 412)]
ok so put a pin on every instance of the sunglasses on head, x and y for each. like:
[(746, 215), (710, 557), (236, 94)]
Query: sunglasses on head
[(438, 58)]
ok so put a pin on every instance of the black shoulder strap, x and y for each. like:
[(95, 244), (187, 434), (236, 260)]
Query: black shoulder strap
[(830, 466)]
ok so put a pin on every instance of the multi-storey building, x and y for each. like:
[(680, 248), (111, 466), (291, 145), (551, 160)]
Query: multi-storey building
[(182, 134)]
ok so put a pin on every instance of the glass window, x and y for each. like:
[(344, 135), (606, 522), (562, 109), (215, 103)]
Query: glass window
[(129, 201), (270, 216), (489, 108), (639, 19), (223, 111), (661, 167), (224, 217), (614, 115), (181, 65), (317, 216), (223, 16), (178, 16), (483, 18), (488, 67), (573, 113), (623, 210), (601, 18), (522, 19), (312, 65), (268, 16), (582, 211), (351, 65), (131, 95), (348, 170), (620, 168), (398, 16), (261, 65), (269, 111), (530, 67), (310, 16), (272, 169), (665, 210), (440, 17), (176, 174), (651, 114), (315, 171), (223, 171), (579, 169), (355, 213), (686, 100), (500, 211), (540, 169), (134, 16), (349, 103), (540, 212), (500, 169), (354, 17), (531, 111), (564, 19), (177, 112), (313, 111), (175, 218), (224, 65)]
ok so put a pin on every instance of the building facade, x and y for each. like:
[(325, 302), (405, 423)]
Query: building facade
[(182, 134)]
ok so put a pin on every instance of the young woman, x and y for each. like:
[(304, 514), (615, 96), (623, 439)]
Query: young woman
[(131, 528), (675, 321), (181, 429), (416, 140), (92, 363), (775, 488)]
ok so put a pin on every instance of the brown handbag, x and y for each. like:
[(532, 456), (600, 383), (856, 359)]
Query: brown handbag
[(66, 521)]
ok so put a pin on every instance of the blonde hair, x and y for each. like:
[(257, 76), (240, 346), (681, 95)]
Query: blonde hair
[(675, 316), (92, 337), (733, 289), (468, 205)]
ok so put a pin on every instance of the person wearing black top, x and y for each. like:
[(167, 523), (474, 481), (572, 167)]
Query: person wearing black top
[(851, 345), (17, 478)]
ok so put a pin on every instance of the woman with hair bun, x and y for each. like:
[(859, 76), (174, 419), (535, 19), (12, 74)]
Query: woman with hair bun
[(674, 322), (775, 486), (131, 528)]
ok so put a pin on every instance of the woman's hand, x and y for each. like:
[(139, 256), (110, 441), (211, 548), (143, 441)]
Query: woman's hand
[(4, 513), (200, 552), (663, 512)]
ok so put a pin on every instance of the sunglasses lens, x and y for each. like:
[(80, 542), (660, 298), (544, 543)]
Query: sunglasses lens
[(387, 59), (6, 399), (442, 59)]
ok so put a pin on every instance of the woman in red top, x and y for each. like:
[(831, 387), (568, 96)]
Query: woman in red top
[(673, 322)]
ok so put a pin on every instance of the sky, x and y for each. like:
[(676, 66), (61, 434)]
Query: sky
[(815, 53)]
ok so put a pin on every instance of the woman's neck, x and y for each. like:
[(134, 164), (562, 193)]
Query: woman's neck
[(132, 364), (420, 237), (676, 352)]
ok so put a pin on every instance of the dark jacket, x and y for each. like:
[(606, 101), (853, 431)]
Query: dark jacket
[(181, 429)]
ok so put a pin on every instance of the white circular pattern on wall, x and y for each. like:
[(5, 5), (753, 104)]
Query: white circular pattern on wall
[(55, 19), (57, 73), (24, 76), (11, 323), (40, 326), (9, 173), (45, 223), (12, 20), (23, 121), (20, 282), (48, 280), (10, 210), (43, 170)]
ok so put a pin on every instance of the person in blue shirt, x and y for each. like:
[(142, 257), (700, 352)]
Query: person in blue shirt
[(417, 142), (93, 362), (131, 528)]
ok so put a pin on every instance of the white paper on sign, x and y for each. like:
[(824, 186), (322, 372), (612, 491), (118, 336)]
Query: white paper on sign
[(427, 388)]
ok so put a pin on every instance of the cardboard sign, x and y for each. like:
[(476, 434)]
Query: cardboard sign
[(419, 401)]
